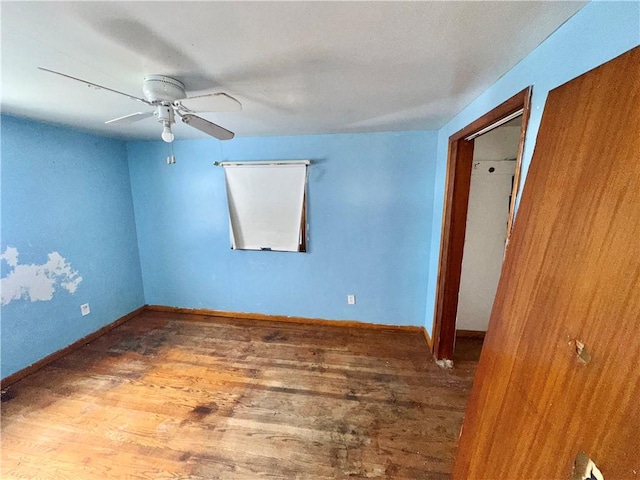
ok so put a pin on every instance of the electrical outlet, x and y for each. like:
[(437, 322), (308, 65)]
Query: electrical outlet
[(84, 309), (351, 299)]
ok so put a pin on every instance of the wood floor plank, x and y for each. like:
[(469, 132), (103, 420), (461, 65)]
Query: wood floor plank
[(174, 395)]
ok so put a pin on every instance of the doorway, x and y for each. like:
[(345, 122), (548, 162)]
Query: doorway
[(458, 184), (490, 193)]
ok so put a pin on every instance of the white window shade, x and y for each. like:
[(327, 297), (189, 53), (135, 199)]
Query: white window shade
[(266, 204)]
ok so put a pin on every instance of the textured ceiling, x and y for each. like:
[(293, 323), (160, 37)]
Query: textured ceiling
[(296, 67)]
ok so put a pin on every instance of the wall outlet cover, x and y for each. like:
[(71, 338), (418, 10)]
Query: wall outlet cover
[(351, 299), (84, 309)]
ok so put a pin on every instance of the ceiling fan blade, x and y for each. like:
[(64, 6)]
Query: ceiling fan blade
[(207, 127), (127, 119), (91, 84), (212, 102)]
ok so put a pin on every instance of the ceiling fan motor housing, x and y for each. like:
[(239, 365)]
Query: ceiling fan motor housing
[(159, 89)]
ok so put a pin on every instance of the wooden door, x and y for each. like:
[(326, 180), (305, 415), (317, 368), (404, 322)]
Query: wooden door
[(571, 274)]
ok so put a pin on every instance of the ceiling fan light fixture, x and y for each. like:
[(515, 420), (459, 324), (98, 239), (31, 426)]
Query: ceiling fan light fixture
[(167, 134)]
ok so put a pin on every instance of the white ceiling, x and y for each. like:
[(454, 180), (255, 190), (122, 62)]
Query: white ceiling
[(296, 67)]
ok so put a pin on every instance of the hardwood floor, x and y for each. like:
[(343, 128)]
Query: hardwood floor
[(467, 349), (170, 396)]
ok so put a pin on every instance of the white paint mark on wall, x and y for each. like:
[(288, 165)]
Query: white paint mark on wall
[(36, 282), (10, 256)]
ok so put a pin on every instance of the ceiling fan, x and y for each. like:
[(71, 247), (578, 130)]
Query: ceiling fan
[(169, 99)]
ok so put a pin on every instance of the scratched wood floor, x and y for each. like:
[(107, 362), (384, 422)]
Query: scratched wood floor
[(170, 396)]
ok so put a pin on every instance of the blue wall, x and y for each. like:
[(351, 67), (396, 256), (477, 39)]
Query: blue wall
[(369, 210), (65, 192), (597, 33)]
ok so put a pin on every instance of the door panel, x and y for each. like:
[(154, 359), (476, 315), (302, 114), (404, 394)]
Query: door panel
[(571, 273)]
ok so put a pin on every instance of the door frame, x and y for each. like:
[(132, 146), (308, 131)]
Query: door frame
[(454, 218)]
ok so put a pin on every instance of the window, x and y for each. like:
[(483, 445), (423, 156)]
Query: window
[(267, 204)]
